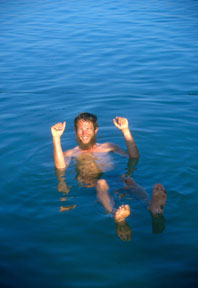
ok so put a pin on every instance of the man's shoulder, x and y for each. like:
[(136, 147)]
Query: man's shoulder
[(70, 152), (112, 147), (106, 147)]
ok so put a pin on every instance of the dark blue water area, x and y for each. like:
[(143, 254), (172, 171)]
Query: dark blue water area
[(135, 59)]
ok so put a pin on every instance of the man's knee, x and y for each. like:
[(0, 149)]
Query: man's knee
[(102, 182), (102, 187)]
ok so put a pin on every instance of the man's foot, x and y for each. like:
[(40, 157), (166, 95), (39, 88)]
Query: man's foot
[(158, 200), (122, 213)]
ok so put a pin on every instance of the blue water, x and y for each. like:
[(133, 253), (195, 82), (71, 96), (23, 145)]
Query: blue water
[(136, 59)]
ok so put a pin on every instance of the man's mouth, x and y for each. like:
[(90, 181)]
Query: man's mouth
[(85, 142), (85, 138)]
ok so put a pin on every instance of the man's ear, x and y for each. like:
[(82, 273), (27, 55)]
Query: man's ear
[(96, 130)]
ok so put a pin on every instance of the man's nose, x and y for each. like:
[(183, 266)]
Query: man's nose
[(84, 132)]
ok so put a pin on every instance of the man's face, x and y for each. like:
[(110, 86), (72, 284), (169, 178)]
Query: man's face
[(85, 134)]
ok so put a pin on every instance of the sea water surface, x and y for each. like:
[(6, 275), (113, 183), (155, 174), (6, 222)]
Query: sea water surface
[(135, 59)]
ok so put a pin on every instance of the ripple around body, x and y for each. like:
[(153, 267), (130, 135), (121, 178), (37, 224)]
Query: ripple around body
[(134, 59)]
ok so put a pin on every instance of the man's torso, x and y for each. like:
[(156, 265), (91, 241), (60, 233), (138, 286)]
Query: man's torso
[(91, 164)]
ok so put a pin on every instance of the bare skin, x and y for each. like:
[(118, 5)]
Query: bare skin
[(102, 191), (57, 131), (85, 132), (157, 204), (159, 197), (122, 212), (88, 166), (91, 159)]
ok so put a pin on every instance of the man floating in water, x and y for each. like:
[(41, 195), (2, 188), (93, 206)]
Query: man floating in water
[(92, 161)]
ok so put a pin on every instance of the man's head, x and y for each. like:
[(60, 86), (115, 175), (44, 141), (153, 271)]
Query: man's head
[(85, 116), (86, 127)]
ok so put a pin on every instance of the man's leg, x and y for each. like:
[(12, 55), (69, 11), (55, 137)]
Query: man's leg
[(157, 204), (122, 212), (139, 191)]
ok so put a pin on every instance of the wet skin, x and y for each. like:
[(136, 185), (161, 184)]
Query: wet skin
[(91, 158), (92, 161), (88, 170)]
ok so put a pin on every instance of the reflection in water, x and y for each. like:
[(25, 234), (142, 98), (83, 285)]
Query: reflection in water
[(89, 169), (158, 224), (124, 231), (132, 163), (67, 208), (62, 187)]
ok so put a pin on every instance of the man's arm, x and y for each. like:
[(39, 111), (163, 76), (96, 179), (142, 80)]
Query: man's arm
[(62, 185), (57, 131), (122, 124)]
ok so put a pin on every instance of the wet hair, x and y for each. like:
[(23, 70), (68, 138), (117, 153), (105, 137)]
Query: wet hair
[(86, 117)]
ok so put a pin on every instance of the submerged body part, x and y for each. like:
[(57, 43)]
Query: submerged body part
[(92, 161)]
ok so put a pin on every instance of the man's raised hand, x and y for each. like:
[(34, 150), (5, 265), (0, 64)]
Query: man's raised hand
[(58, 129), (121, 123)]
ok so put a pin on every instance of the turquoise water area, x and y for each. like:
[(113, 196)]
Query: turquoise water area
[(136, 59)]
